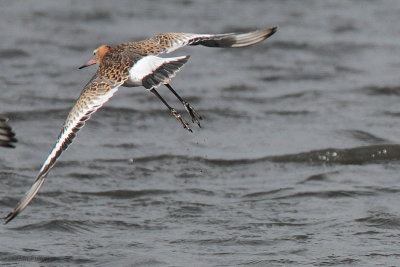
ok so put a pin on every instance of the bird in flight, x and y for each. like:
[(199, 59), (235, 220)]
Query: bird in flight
[(7, 136), (133, 64)]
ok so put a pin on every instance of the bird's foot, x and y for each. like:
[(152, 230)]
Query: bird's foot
[(181, 119), (193, 113)]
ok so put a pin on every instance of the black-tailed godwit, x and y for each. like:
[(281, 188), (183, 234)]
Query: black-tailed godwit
[(133, 64)]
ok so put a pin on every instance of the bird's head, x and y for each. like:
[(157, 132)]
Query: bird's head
[(98, 55)]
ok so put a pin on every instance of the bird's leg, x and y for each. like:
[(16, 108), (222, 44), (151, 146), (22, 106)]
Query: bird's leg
[(193, 114), (172, 110)]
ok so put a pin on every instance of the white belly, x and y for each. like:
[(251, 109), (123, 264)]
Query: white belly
[(132, 82), (148, 65), (141, 69)]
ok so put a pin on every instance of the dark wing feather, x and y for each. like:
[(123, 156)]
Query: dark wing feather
[(94, 95), (172, 41), (164, 72)]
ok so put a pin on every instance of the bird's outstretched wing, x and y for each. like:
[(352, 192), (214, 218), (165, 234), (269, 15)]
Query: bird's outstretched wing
[(7, 136), (168, 42), (173, 41), (94, 95)]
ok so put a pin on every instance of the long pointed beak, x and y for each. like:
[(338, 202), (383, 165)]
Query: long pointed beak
[(90, 62)]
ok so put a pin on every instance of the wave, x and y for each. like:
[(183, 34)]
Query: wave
[(355, 155), (12, 259), (60, 225), (365, 136), (380, 219), (130, 193), (381, 90), (13, 53), (328, 194)]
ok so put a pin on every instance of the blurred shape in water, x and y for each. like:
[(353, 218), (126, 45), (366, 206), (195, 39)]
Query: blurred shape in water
[(7, 136)]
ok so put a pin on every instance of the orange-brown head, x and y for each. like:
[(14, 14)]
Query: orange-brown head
[(98, 55)]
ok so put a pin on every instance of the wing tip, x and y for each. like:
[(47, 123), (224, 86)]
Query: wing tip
[(273, 30), (251, 38), (268, 32), (10, 216)]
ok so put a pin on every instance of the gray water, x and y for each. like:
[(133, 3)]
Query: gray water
[(296, 163)]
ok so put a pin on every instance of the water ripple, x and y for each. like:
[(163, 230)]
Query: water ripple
[(12, 258), (381, 220), (329, 194), (356, 155), (57, 226), (129, 193), (365, 136), (382, 90), (13, 53)]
